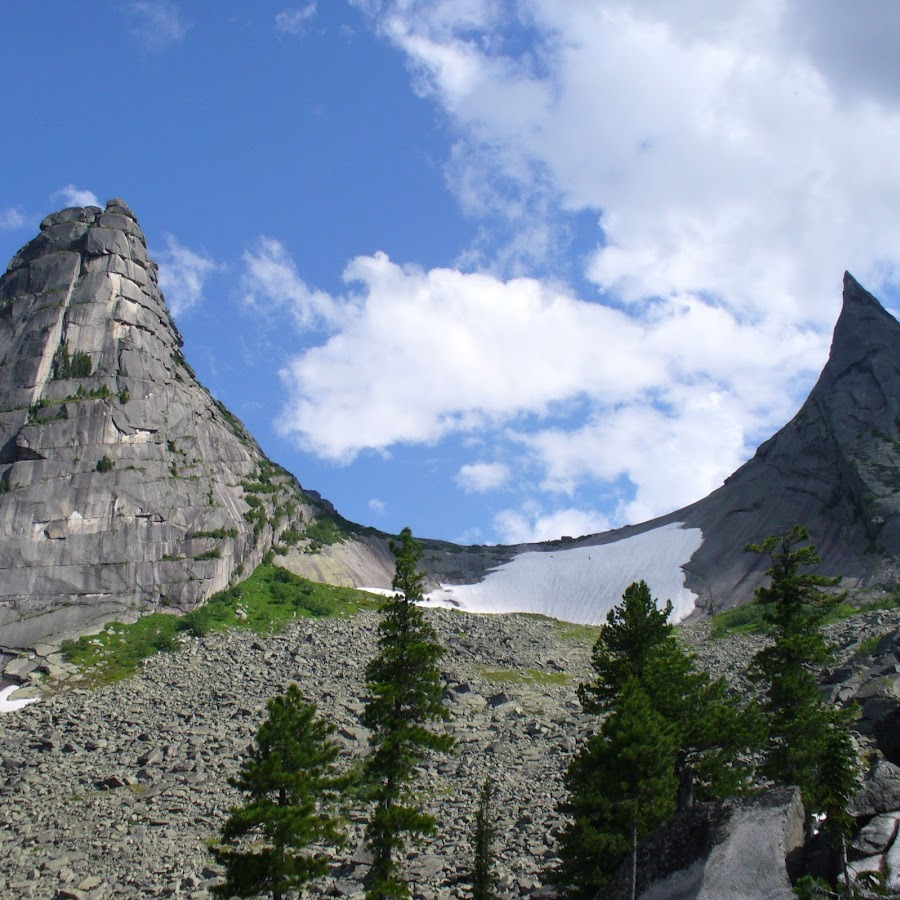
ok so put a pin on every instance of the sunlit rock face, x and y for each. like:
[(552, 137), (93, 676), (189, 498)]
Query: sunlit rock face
[(121, 476)]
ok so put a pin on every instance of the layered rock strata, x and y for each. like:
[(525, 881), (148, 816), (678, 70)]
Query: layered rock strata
[(124, 485)]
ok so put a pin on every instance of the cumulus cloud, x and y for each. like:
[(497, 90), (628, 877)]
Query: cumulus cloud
[(182, 274), (715, 146), (294, 20), (482, 476), (12, 218), (158, 24), (671, 401), (71, 195), (733, 168), (531, 524), (377, 506)]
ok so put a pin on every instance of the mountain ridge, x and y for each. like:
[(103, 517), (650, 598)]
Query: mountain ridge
[(125, 487)]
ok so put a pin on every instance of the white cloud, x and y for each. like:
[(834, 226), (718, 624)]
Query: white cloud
[(182, 273), (71, 195), (531, 524), (271, 282), (158, 23), (482, 476), (12, 218), (422, 354), (672, 400), (377, 506), (295, 20), (734, 172), (715, 145)]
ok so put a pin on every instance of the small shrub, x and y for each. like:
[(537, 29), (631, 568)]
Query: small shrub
[(218, 533), (214, 553), (105, 464), (124, 396)]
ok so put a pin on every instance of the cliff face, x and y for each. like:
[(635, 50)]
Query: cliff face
[(123, 484), (835, 467)]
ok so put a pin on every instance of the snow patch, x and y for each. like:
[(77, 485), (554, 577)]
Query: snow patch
[(582, 584), (7, 705)]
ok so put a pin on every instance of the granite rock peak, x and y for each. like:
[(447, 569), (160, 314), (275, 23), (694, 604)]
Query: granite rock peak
[(124, 485)]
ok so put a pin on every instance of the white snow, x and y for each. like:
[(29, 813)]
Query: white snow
[(7, 705), (582, 584)]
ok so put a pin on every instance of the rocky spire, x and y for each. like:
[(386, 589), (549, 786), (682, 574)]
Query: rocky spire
[(124, 485), (834, 468)]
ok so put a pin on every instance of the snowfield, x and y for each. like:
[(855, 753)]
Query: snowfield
[(584, 583), (7, 705)]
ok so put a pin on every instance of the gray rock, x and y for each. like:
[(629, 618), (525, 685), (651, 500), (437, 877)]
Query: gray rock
[(880, 792), (742, 858), (79, 546), (877, 835)]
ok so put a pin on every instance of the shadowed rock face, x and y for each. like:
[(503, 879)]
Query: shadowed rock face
[(120, 475), (835, 467)]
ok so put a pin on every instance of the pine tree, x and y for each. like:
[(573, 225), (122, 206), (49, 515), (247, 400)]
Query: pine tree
[(483, 877), (405, 695), (290, 779), (704, 727), (795, 605), (621, 786), (711, 726), (838, 784), (633, 630)]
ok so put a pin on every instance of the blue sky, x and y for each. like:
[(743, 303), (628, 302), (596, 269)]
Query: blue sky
[(498, 271)]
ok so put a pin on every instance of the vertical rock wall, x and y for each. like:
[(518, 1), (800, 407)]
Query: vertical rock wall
[(123, 484)]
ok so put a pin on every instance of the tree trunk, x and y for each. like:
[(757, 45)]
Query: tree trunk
[(634, 859), (842, 850), (685, 773)]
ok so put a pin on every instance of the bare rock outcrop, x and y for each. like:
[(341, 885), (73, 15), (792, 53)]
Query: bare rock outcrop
[(124, 485)]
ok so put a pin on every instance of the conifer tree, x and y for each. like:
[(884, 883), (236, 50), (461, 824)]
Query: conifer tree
[(483, 877), (405, 695), (633, 630), (838, 784), (795, 605), (704, 728), (290, 780), (621, 787), (809, 743)]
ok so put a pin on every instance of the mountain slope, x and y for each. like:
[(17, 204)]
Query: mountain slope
[(835, 467), (124, 485)]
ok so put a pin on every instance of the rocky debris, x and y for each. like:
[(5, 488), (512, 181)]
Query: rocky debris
[(126, 783), (124, 485)]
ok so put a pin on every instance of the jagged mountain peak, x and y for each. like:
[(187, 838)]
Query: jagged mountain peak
[(835, 467), (124, 485)]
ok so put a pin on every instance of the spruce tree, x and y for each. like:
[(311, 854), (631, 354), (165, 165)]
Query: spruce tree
[(703, 727), (405, 695), (483, 877), (795, 606), (634, 630), (621, 786), (290, 781)]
